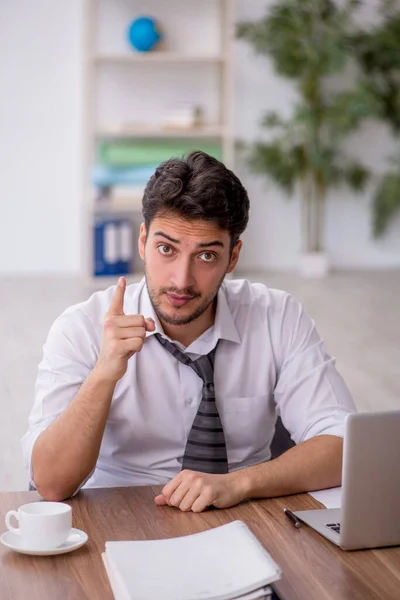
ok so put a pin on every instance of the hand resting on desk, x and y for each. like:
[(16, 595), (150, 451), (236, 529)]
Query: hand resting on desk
[(314, 464), (191, 490)]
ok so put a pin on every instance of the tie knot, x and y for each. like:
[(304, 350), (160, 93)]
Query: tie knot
[(203, 366)]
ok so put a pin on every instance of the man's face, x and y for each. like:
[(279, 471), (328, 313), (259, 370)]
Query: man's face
[(185, 264)]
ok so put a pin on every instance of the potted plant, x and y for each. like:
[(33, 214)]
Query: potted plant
[(308, 41), (378, 53)]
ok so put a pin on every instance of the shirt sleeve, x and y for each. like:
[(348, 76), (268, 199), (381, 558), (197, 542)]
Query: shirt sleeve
[(310, 395), (69, 355)]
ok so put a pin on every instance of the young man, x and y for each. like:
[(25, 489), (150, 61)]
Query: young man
[(179, 380)]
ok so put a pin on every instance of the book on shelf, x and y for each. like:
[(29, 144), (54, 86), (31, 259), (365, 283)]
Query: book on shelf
[(127, 195), (104, 176), (224, 563), (142, 153), (125, 198), (113, 248), (130, 164)]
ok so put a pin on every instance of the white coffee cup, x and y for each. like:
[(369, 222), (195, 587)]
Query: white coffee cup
[(42, 524)]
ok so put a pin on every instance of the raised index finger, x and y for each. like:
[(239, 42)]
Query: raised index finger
[(117, 302)]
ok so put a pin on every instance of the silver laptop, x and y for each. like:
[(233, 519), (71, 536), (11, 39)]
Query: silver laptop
[(370, 513)]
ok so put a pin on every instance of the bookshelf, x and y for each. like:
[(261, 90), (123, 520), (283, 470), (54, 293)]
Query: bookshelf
[(126, 92), (158, 57), (210, 131)]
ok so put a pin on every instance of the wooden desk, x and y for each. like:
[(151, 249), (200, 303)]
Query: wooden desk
[(314, 569)]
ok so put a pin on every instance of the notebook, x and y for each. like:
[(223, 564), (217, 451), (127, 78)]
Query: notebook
[(224, 563)]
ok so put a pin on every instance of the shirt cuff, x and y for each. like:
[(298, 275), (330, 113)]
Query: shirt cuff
[(28, 442), (332, 424)]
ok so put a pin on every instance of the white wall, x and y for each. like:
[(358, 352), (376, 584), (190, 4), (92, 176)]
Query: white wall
[(41, 154), (40, 143)]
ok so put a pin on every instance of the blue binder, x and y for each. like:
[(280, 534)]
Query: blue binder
[(125, 247), (112, 239), (100, 266)]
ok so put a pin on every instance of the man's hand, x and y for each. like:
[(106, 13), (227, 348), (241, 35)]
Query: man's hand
[(315, 464), (195, 491), (123, 336)]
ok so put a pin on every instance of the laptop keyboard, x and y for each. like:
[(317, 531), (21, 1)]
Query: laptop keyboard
[(334, 526)]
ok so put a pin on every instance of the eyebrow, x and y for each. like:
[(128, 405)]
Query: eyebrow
[(201, 245)]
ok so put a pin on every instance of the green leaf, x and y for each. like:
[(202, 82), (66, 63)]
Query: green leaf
[(272, 119), (356, 176), (386, 202), (349, 108), (273, 161), (378, 53), (301, 36)]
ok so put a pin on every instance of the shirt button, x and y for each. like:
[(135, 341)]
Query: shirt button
[(189, 400)]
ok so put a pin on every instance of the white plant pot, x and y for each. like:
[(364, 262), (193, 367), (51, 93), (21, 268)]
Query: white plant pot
[(314, 264)]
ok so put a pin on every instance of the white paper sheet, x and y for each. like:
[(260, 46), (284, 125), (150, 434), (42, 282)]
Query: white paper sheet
[(224, 562), (330, 498)]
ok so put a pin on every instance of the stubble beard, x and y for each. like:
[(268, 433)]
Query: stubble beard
[(155, 299)]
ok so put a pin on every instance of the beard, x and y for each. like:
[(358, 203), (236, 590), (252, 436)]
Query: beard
[(156, 295)]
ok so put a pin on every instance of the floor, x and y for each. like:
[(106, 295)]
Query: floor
[(356, 313)]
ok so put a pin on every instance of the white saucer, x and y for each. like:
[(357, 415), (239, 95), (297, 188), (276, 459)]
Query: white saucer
[(76, 539)]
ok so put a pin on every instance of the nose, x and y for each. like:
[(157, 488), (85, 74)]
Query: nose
[(182, 276)]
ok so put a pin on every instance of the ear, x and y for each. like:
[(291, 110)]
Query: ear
[(235, 256), (142, 240)]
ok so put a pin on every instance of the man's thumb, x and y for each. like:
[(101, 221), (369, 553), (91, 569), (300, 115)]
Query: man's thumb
[(150, 325)]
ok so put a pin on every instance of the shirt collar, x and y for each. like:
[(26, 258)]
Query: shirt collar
[(146, 309), (224, 324)]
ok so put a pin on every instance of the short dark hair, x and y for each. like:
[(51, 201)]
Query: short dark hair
[(198, 186)]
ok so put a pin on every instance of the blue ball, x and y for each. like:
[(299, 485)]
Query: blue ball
[(143, 34)]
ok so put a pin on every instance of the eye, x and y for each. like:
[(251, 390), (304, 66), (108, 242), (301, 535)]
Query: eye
[(208, 257), (165, 250)]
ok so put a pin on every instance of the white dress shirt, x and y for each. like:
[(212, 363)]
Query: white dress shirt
[(270, 361)]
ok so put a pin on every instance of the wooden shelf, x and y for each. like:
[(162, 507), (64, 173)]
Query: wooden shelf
[(157, 57), (103, 282), (117, 208), (207, 131)]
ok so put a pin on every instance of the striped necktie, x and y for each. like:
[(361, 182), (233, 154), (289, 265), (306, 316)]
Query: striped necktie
[(205, 448)]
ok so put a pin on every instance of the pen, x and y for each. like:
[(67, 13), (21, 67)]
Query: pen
[(292, 517)]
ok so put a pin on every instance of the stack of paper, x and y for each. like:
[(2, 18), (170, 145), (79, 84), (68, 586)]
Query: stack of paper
[(224, 563), (330, 498)]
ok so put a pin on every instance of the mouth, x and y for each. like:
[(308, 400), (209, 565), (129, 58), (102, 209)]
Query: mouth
[(178, 300)]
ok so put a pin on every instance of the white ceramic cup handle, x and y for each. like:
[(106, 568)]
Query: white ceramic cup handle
[(12, 513)]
